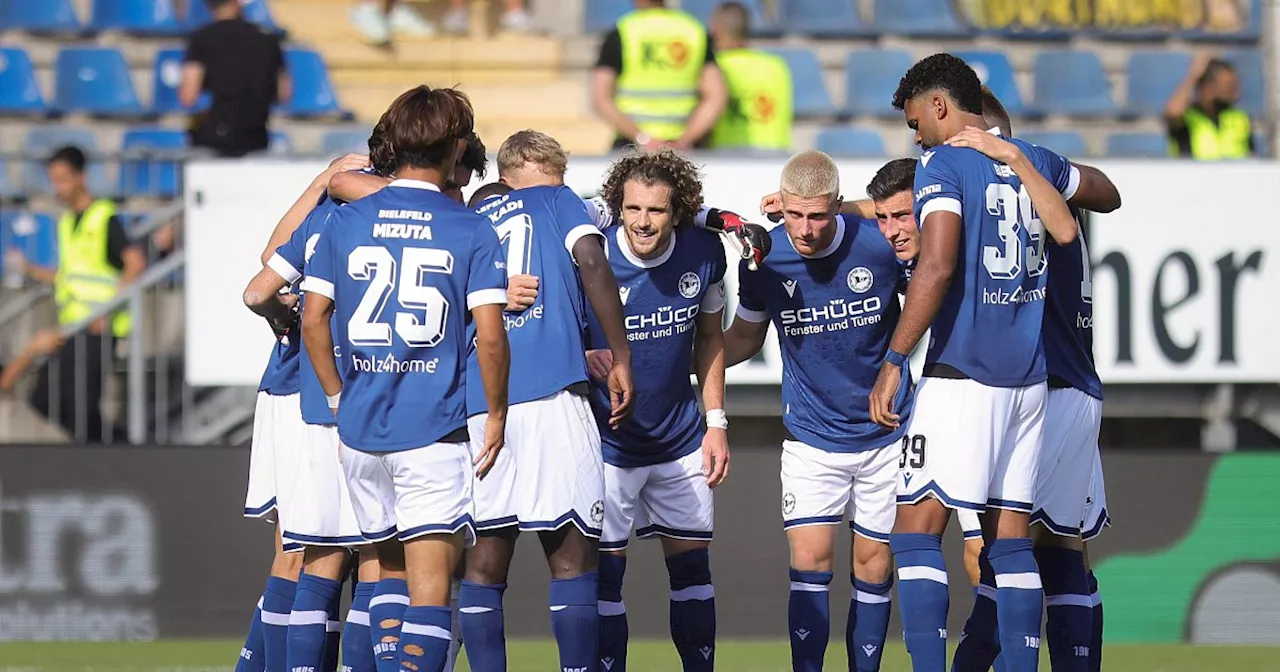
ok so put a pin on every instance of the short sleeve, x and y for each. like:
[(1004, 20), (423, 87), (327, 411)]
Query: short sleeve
[(750, 301), (321, 268), (196, 52), (937, 185), (710, 58), (1055, 168), (117, 242), (611, 52), (598, 211), (572, 218), (290, 259), (487, 272)]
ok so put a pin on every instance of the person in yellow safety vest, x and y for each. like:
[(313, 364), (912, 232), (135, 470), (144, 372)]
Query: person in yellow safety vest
[(1204, 122), (760, 110), (656, 82), (95, 261)]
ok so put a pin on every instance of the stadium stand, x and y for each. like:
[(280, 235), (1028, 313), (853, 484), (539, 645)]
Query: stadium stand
[(825, 19), (143, 17), (871, 78), (313, 94), (920, 19), (33, 233), (602, 14), (45, 16), (1152, 76), (994, 69), (1066, 143), (165, 78), (1073, 83), (150, 164), (19, 92), (762, 25), (41, 141), (1138, 145), (850, 142), (95, 80), (808, 90), (341, 141)]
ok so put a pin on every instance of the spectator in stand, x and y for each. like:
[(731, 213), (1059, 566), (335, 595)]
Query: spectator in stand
[(243, 68), (378, 19), (759, 111), (656, 81), (1203, 120)]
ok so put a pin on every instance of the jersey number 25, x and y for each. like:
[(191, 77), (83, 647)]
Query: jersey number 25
[(1021, 234), (422, 323)]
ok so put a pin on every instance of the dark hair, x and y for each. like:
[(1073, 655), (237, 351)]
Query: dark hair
[(661, 167), (895, 177), (424, 125), (381, 156), (1211, 70), (488, 191), (215, 5), (72, 156), (739, 19), (993, 111), (474, 158), (941, 72)]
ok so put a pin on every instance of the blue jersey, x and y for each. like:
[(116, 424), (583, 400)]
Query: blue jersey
[(661, 301), (538, 227), (1068, 319), (403, 268), (989, 325), (834, 313), (289, 262), (280, 378)]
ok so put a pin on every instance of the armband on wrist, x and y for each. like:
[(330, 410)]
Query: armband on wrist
[(895, 358), (333, 399), (717, 419)]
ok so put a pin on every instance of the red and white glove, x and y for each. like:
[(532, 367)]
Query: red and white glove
[(751, 241)]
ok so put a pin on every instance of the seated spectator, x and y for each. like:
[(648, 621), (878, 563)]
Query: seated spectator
[(1203, 120), (378, 19), (243, 69)]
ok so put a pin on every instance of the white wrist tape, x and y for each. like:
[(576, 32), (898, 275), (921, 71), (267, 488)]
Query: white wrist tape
[(333, 399), (717, 419)]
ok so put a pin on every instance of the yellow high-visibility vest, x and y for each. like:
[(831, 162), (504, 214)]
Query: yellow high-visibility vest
[(760, 107), (86, 279), (663, 51), (1227, 139)]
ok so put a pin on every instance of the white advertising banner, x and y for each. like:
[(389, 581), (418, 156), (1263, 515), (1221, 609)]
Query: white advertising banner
[(1182, 292)]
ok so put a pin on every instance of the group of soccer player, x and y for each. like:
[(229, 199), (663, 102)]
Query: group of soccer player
[(448, 375)]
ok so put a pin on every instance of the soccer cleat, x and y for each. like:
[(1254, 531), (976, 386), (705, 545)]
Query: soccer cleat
[(750, 241)]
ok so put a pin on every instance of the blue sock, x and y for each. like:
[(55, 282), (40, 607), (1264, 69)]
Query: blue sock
[(1019, 603), (277, 604), (386, 613), (1095, 642), (309, 621), (575, 620), (980, 645), (809, 619), (333, 634), (252, 657), (357, 644), (693, 609), (613, 613), (425, 638), (483, 635), (868, 624), (1069, 625), (923, 598)]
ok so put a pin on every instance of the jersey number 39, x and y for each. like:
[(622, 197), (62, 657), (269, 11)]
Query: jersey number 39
[(1021, 234), (422, 322)]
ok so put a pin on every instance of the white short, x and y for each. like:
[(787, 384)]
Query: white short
[(1072, 420), (821, 488), (549, 473), (969, 523), (972, 446), (1096, 515), (277, 443), (321, 514), (668, 500), (411, 492)]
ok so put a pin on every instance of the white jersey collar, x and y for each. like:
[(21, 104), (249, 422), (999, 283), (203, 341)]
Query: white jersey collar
[(413, 184), (824, 253), (630, 256)]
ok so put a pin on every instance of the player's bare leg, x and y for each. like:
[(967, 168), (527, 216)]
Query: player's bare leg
[(387, 605), (573, 558), (313, 624), (357, 644), (916, 543), (285, 566), (693, 601), (868, 623), (808, 606), (430, 561), (484, 579)]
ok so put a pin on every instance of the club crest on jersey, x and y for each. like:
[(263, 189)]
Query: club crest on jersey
[(690, 284), (623, 293), (860, 280)]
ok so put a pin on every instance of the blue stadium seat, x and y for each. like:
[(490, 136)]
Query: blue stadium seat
[(281, 143), (166, 77), (8, 187), (810, 97), (823, 18), (847, 142), (41, 141), (603, 14), (1138, 145), (19, 93), (920, 18), (761, 24), (871, 78), (1067, 143), (142, 172), (1248, 63), (41, 16), (35, 234), (313, 93), (151, 17), (1152, 77), (1073, 83), (341, 141), (994, 70), (95, 80), (255, 11)]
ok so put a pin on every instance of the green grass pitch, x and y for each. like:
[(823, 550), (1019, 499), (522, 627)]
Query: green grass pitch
[(645, 656)]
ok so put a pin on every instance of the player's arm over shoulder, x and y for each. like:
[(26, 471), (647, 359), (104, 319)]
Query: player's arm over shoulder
[(1096, 191)]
